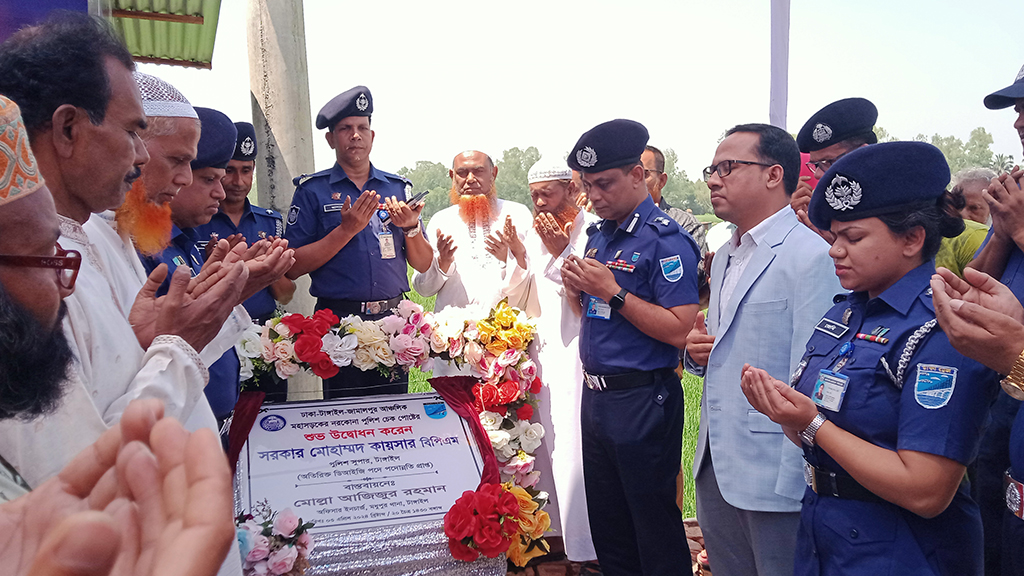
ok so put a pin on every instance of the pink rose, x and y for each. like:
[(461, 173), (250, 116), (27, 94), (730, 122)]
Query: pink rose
[(409, 329), (392, 324), (260, 568), (267, 349), (284, 350), (281, 561), (416, 318), (407, 308), (285, 523), (528, 369), (509, 357), (282, 329), (399, 346), (528, 480), (305, 544), (473, 352), (455, 346), (417, 348), (260, 548), (425, 329), (286, 369)]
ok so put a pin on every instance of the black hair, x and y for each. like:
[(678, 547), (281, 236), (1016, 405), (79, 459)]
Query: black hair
[(61, 61), (939, 220), (629, 167), (776, 146), (956, 197), (659, 158)]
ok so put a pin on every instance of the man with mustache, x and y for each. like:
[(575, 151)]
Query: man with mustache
[(353, 233), (475, 237), (74, 525), (559, 229)]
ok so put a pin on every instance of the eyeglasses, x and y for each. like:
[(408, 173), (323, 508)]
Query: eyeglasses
[(824, 165), (66, 262), (647, 173), (724, 168)]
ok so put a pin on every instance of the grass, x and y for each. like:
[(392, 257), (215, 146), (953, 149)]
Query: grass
[(692, 387)]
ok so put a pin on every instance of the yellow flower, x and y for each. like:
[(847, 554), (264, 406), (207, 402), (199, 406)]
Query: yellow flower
[(535, 525), (517, 551), (497, 347), (504, 316), (526, 502), (514, 339)]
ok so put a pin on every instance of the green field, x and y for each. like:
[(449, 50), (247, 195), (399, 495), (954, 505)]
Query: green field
[(691, 388)]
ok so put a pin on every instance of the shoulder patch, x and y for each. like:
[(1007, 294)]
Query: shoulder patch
[(671, 268), (293, 215), (934, 385)]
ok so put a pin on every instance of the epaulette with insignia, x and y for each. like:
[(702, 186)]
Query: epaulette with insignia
[(269, 212), (298, 180), (664, 226), (840, 298), (592, 229)]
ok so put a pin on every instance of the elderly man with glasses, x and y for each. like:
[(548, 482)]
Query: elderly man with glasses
[(770, 284)]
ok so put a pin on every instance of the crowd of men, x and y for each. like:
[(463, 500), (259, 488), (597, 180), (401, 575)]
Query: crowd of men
[(138, 200)]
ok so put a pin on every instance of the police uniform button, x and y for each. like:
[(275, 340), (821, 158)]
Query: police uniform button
[(810, 348), (854, 533), (660, 397)]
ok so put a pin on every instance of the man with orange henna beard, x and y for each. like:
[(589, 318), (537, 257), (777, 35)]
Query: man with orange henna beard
[(475, 237)]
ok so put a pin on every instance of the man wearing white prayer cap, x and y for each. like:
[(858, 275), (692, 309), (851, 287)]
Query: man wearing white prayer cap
[(558, 230)]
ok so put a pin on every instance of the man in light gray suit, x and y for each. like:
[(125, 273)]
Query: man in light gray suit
[(770, 285)]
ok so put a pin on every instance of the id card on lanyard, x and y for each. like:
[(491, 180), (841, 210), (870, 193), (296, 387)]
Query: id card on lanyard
[(830, 389), (384, 237)]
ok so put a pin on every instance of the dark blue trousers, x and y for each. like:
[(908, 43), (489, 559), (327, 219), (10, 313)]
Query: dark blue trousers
[(632, 443)]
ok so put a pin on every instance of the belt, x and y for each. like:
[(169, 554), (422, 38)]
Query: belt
[(624, 381), (826, 483), (1014, 495), (372, 307)]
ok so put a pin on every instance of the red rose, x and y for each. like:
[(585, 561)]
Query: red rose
[(295, 322), (508, 504), (460, 521), (525, 412), (307, 348), (490, 540), (324, 367), (462, 552), (321, 322), (503, 410), (535, 386), (488, 396), (508, 391)]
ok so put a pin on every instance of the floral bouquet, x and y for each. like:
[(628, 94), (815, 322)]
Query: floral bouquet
[(280, 545), (497, 518)]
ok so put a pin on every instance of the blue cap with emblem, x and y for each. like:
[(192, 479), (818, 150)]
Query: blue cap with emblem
[(610, 145), (216, 139), (880, 179), (245, 143), (354, 102), (1007, 96), (840, 120)]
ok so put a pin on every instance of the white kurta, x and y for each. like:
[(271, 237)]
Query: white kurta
[(558, 359), (112, 368), (475, 277)]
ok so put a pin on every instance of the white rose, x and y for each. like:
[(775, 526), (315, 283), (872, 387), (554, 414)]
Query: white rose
[(491, 420), (499, 439), (341, 350), (244, 368), (530, 437), (507, 451), (382, 353), (364, 359), (249, 346)]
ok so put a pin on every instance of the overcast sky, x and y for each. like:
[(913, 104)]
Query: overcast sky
[(449, 76)]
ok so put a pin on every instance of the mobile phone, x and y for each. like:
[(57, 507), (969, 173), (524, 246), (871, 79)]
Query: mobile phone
[(417, 199)]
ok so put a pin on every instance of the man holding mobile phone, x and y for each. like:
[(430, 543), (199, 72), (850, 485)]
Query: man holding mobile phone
[(353, 233)]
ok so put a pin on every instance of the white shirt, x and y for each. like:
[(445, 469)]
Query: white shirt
[(740, 251), (475, 278)]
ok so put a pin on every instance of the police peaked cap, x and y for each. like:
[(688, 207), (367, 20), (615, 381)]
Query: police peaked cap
[(840, 120), (880, 179), (216, 139), (1007, 96), (245, 143), (610, 145), (354, 102)]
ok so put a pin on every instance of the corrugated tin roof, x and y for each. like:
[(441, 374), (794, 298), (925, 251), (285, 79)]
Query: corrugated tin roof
[(180, 32)]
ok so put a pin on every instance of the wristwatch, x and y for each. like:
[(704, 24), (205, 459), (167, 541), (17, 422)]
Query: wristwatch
[(413, 232), (1013, 384), (807, 435), (619, 300)]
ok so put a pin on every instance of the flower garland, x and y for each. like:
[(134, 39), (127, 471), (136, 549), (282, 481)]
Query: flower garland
[(280, 545), (497, 518)]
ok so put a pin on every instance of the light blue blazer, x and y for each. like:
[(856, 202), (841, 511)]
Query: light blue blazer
[(786, 288)]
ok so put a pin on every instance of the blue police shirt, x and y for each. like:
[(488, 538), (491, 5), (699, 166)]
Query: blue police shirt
[(222, 391), (939, 410), (664, 260), (357, 271), (256, 223)]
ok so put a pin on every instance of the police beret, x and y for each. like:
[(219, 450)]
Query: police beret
[(216, 139), (880, 179), (840, 120), (1007, 96), (354, 102), (245, 143), (610, 145)]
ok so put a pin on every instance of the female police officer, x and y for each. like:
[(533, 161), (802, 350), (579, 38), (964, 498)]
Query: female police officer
[(887, 412)]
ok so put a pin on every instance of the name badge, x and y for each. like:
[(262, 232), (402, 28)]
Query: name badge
[(830, 389), (333, 208), (598, 308), (387, 245), (831, 327)]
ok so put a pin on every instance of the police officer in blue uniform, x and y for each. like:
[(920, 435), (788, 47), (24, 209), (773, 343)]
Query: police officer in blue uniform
[(887, 412), (636, 286), (193, 205), (238, 220), (353, 233)]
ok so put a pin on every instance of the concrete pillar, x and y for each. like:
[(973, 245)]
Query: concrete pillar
[(279, 85)]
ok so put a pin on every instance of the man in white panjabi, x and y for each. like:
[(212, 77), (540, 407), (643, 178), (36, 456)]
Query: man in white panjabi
[(559, 229), (471, 259)]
